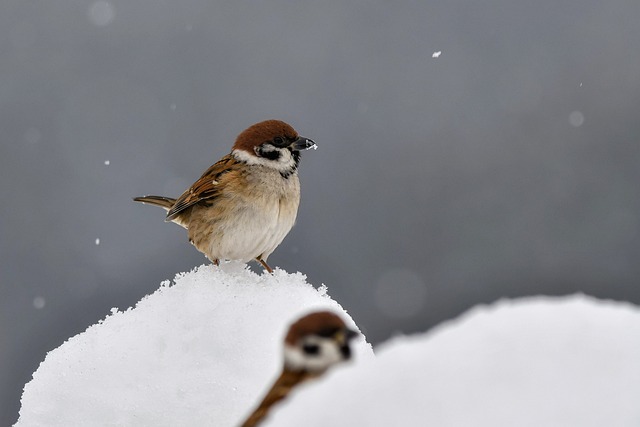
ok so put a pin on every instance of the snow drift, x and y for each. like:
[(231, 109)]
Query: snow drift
[(200, 352), (572, 361)]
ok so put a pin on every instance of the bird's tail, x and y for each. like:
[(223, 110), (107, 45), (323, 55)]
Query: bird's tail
[(164, 202)]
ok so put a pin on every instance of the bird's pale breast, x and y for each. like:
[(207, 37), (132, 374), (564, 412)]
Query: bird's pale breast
[(242, 225)]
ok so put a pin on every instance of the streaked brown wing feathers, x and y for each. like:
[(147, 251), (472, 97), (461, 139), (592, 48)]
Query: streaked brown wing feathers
[(207, 187)]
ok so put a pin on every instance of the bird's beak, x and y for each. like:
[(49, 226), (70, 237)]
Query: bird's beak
[(303, 143), (351, 334), (344, 336)]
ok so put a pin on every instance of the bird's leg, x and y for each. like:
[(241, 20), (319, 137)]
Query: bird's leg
[(264, 264)]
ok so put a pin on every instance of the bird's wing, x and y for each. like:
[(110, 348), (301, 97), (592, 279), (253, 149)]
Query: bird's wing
[(208, 186)]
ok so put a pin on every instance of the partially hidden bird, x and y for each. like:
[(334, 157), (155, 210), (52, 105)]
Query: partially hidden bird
[(244, 205), (313, 344)]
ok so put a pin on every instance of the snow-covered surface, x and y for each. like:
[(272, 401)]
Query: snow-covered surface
[(200, 352), (572, 361), (204, 350)]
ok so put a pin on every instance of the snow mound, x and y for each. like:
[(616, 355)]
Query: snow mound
[(571, 361), (199, 352)]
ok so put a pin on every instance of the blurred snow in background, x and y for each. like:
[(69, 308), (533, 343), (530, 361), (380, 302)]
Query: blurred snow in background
[(570, 361)]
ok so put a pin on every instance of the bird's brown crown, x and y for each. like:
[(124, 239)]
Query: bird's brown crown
[(262, 132), (322, 323)]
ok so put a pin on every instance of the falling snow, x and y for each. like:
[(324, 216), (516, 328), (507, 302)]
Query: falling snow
[(576, 118), (101, 13), (39, 302)]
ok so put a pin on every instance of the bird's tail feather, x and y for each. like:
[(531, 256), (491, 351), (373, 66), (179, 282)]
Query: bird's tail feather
[(164, 202)]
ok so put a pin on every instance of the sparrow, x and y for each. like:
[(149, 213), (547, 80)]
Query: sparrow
[(312, 345), (243, 206)]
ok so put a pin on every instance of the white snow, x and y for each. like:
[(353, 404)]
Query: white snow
[(101, 13), (576, 118), (39, 302), (200, 352), (572, 361), (204, 351)]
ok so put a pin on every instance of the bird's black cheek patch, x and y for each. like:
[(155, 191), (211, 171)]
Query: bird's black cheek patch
[(271, 155), (311, 349), (296, 157)]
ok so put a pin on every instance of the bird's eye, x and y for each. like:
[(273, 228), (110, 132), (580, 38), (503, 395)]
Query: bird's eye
[(311, 349), (278, 141)]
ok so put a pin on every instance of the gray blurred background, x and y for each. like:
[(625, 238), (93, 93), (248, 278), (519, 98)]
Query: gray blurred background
[(506, 166)]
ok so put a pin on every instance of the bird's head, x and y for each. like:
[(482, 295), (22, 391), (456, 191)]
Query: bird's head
[(272, 143), (316, 342)]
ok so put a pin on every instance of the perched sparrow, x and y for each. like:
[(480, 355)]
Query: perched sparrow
[(313, 344), (243, 206)]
